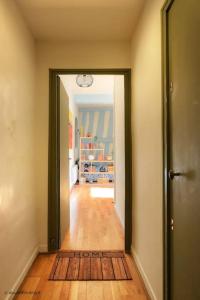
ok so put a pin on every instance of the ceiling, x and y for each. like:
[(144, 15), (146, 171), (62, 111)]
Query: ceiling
[(77, 20), (101, 91)]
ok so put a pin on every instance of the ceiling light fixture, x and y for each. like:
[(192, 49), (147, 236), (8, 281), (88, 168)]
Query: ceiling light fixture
[(84, 80)]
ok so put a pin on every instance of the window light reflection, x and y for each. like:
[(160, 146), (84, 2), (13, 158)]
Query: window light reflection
[(97, 192)]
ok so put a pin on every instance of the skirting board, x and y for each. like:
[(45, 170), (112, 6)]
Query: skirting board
[(119, 215), (143, 275), (43, 248), (23, 274)]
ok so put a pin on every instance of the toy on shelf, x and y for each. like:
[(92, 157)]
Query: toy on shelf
[(94, 165)]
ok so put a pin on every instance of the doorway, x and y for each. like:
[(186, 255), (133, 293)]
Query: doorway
[(96, 162), (88, 140), (181, 95)]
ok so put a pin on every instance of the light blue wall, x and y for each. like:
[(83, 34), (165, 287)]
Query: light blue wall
[(93, 98), (100, 118)]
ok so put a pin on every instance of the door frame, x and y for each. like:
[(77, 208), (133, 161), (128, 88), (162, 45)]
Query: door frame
[(166, 152), (54, 152)]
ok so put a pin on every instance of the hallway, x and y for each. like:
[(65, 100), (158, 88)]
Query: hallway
[(40, 36), (94, 225)]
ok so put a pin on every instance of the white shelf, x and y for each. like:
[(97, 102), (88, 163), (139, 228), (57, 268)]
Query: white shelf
[(92, 162), (97, 172), (97, 161)]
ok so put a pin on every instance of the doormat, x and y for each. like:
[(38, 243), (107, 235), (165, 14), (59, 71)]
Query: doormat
[(90, 265)]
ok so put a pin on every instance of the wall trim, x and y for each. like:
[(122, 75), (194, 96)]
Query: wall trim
[(54, 242), (144, 276), (23, 274)]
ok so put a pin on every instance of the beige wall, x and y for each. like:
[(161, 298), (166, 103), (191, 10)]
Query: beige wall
[(119, 146), (147, 147), (72, 55), (18, 214)]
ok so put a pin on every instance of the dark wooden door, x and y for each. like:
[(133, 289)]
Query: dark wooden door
[(184, 114)]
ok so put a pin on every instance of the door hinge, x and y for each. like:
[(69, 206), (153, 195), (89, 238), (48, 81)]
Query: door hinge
[(52, 242), (171, 88), (172, 224)]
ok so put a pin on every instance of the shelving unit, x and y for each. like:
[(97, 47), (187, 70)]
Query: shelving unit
[(92, 173)]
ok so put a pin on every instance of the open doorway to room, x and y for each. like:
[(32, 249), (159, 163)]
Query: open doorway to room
[(91, 129), (96, 108), (96, 161)]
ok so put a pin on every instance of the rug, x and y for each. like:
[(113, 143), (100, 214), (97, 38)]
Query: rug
[(90, 265)]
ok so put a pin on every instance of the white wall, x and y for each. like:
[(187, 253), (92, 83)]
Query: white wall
[(73, 153), (119, 146), (147, 147), (73, 108), (75, 114), (18, 207), (72, 55)]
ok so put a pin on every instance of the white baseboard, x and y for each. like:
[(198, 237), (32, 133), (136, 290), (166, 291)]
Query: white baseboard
[(119, 216), (43, 248), (23, 274), (143, 275)]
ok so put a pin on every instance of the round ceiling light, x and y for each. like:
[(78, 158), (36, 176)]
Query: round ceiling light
[(84, 80)]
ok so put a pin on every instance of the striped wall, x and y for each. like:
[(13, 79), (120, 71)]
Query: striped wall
[(98, 121)]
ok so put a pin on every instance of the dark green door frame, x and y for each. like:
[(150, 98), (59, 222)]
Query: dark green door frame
[(166, 150), (54, 153)]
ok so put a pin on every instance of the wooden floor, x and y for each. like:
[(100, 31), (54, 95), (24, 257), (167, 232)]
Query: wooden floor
[(94, 226), (93, 221)]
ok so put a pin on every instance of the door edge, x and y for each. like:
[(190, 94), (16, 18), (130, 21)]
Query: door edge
[(165, 129)]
